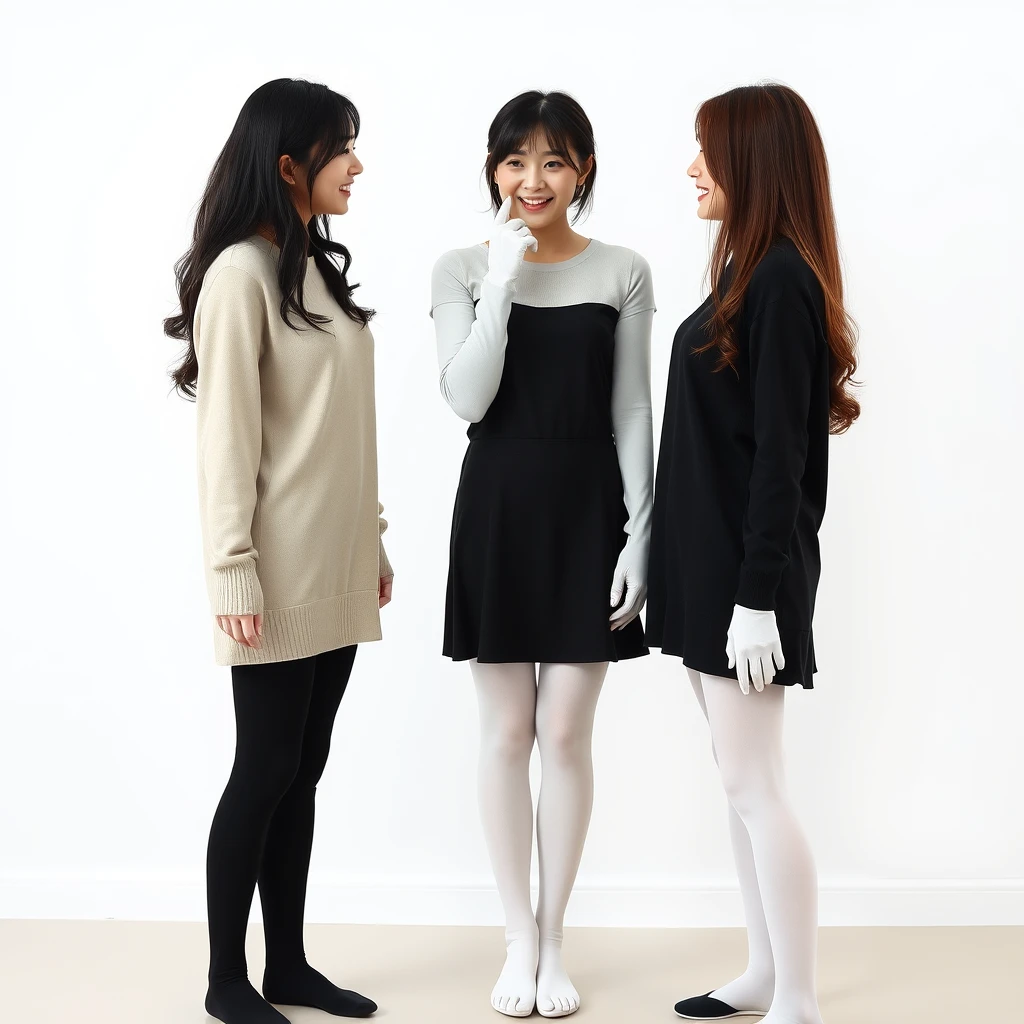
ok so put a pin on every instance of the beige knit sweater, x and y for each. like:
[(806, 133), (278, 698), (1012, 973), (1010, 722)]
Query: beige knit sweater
[(287, 460)]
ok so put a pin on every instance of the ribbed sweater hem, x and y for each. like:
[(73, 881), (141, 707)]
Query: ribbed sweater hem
[(305, 630)]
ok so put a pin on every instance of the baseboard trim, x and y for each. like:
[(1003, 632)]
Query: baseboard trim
[(425, 901)]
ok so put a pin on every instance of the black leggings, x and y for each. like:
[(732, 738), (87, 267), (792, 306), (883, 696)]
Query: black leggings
[(263, 828)]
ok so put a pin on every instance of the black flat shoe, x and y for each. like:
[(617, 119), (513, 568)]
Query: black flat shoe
[(708, 1008)]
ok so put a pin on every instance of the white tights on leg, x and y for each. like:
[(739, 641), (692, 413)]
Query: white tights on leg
[(776, 869), (507, 698), (556, 707), (566, 702), (753, 989)]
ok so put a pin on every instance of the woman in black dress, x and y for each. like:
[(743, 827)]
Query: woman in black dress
[(544, 347), (760, 376)]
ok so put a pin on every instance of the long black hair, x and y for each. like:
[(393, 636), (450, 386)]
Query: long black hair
[(245, 192), (568, 130)]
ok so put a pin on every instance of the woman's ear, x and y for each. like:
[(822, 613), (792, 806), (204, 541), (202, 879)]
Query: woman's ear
[(588, 166), (286, 168)]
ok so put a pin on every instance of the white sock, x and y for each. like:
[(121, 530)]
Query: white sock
[(556, 994), (515, 991), (566, 703), (746, 730)]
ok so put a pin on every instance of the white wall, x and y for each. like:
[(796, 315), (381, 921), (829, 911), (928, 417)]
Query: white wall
[(117, 733)]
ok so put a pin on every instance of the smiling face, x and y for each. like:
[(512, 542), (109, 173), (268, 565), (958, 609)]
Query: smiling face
[(333, 185), (332, 188), (710, 197), (542, 183)]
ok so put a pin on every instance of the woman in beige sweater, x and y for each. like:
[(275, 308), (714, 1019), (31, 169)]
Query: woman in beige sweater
[(280, 362)]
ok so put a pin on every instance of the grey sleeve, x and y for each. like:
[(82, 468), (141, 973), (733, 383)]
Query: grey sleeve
[(632, 420), (470, 339), (640, 292)]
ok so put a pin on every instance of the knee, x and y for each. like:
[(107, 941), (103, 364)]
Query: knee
[(273, 772), (751, 789), (311, 765), (510, 740), (561, 740)]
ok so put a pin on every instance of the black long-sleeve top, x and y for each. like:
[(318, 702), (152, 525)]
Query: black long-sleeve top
[(742, 473)]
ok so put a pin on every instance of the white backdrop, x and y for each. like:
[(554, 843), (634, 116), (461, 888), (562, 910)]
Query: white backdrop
[(906, 760)]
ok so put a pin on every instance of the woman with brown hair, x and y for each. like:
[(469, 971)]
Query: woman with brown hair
[(760, 377)]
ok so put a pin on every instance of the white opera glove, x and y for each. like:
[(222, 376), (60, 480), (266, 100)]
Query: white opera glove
[(631, 577), (507, 245), (752, 644)]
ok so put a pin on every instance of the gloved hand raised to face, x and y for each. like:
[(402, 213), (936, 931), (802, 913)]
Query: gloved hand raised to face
[(753, 642), (507, 245)]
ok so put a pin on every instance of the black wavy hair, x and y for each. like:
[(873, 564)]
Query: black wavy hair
[(568, 130), (245, 192)]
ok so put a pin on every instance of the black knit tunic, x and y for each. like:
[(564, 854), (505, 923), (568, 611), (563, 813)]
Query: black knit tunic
[(742, 471)]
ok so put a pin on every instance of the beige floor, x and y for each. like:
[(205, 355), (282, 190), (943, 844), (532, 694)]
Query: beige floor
[(126, 973)]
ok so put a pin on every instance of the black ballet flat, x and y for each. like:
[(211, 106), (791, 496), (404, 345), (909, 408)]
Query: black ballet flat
[(707, 1008)]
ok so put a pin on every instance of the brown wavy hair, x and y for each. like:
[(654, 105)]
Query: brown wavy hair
[(763, 149)]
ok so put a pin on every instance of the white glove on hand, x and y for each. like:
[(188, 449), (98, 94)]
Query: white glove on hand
[(753, 641), (631, 577), (508, 242)]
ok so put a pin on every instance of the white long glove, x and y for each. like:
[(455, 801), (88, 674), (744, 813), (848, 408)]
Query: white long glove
[(471, 338), (753, 641), (508, 241), (630, 572), (634, 440)]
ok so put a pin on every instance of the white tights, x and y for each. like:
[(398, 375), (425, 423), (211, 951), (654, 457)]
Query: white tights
[(555, 706), (776, 870)]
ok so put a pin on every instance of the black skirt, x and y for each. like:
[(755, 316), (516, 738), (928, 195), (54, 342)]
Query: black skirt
[(539, 515)]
